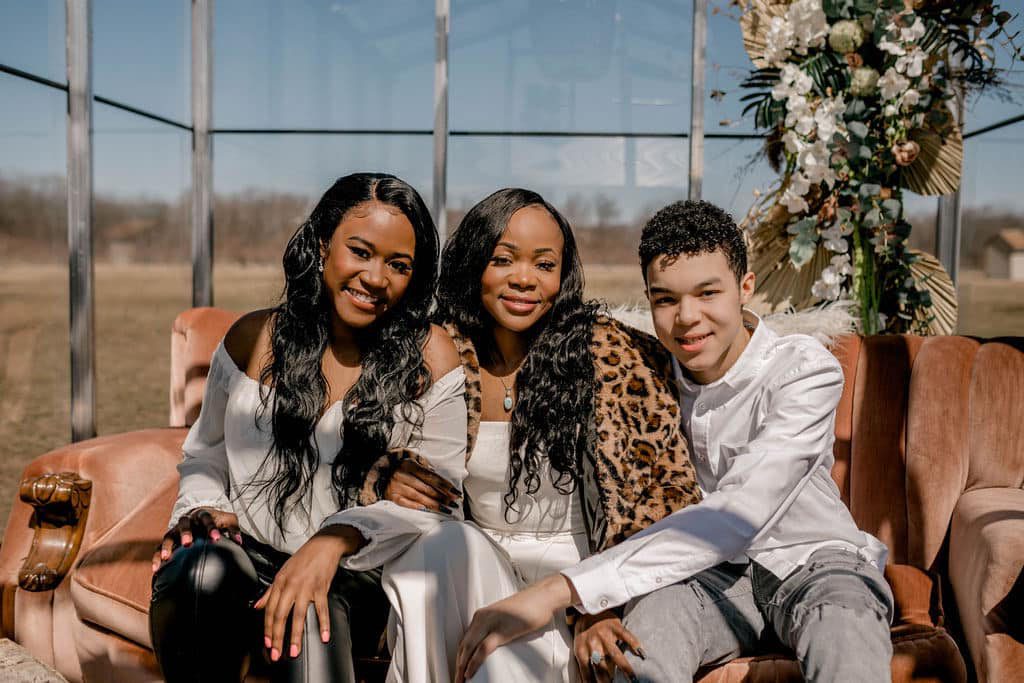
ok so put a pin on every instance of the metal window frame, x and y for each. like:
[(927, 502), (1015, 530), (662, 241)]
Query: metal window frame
[(202, 153), (80, 219), (80, 187)]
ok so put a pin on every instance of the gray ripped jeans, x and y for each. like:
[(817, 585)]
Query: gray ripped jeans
[(833, 613)]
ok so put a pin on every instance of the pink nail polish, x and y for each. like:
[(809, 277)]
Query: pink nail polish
[(215, 535), (294, 652), (325, 636), (266, 642), (274, 655)]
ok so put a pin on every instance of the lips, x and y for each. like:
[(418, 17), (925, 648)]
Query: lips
[(363, 300), (519, 305), (692, 343)]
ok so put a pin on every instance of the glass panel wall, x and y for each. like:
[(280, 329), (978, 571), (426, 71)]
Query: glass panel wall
[(141, 245), (606, 187), (142, 55), (991, 287), (34, 357), (726, 66), (570, 66), (313, 64), (32, 38), (266, 185)]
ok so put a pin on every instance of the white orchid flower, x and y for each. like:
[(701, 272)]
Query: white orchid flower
[(911, 63), (892, 84), (914, 32)]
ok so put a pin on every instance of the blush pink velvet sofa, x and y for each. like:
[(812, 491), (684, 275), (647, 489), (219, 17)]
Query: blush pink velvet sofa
[(929, 458)]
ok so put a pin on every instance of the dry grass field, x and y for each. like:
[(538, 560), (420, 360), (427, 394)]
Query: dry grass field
[(136, 304)]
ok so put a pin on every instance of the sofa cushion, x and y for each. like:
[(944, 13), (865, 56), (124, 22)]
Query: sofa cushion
[(920, 653), (111, 586), (986, 569)]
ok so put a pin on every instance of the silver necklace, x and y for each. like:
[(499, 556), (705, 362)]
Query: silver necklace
[(507, 403)]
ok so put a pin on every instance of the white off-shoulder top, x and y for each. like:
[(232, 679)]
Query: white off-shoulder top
[(228, 444)]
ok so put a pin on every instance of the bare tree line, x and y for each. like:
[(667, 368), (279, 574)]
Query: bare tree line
[(253, 226)]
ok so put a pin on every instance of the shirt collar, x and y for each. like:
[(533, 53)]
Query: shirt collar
[(745, 367)]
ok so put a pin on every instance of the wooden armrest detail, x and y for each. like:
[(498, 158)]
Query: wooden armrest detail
[(61, 505)]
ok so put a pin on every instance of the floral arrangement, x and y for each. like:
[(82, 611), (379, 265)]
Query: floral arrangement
[(859, 99)]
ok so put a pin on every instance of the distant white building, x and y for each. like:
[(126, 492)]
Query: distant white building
[(1004, 255)]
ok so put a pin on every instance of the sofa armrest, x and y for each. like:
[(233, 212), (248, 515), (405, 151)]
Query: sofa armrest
[(60, 507), (123, 469), (986, 556)]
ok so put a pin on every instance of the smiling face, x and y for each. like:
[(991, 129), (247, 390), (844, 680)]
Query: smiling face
[(368, 264), (523, 276), (697, 308)]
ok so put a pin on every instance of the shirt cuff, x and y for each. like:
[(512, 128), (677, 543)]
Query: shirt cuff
[(600, 587)]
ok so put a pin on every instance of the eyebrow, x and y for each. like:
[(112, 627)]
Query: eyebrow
[(373, 247), (706, 283), (512, 247)]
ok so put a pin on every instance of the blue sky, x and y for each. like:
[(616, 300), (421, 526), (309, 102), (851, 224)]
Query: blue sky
[(600, 65)]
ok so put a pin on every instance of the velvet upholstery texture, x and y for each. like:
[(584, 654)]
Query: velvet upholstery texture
[(929, 457)]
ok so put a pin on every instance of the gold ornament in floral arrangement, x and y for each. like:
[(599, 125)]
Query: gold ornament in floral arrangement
[(864, 81), (906, 152), (846, 36)]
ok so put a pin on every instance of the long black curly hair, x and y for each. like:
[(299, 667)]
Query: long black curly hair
[(555, 385), (392, 375)]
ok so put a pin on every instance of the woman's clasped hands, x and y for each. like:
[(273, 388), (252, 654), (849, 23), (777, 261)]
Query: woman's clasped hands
[(199, 523)]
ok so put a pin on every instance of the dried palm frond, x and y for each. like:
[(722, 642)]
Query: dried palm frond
[(755, 22), (937, 167), (929, 274)]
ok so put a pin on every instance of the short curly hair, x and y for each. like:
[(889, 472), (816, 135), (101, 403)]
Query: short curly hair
[(693, 227)]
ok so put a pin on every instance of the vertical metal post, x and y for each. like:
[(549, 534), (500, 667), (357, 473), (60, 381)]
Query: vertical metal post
[(947, 232), (202, 153), (442, 13), (700, 32), (80, 214)]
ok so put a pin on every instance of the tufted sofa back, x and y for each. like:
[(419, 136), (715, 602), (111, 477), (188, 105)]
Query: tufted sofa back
[(194, 337), (921, 420)]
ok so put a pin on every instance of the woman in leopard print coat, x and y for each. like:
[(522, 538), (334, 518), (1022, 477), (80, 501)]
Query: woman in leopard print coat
[(590, 420)]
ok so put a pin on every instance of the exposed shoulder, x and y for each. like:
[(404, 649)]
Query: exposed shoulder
[(248, 341), (440, 353)]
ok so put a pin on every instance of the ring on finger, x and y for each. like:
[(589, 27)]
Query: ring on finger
[(596, 658)]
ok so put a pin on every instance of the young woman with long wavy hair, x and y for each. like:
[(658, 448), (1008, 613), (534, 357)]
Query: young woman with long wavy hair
[(300, 401), (572, 446)]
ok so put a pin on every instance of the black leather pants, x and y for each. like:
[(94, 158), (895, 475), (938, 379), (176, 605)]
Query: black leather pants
[(204, 628)]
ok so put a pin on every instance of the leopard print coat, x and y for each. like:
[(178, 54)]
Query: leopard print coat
[(638, 469)]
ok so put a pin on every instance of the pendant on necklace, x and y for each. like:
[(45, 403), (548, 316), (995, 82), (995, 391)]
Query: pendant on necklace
[(507, 403)]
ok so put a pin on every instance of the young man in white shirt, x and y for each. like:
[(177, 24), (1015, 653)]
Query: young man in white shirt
[(771, 553)]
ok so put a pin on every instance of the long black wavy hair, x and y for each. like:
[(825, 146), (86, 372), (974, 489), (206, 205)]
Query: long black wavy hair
[(555, 385), (392, 375)]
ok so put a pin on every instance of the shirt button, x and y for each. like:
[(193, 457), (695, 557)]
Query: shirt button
[(658, 580), (604, 602)]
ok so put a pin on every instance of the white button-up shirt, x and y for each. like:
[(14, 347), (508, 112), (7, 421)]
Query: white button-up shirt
[(761, 441)]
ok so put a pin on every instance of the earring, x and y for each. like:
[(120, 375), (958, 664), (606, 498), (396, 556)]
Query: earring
[(320, 266)]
